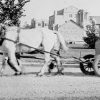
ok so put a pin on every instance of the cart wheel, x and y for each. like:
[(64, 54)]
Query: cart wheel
[(97, 66), (87, 66)]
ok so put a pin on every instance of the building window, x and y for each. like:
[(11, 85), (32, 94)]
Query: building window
[(45, 24), (75, 15), (70, 15)]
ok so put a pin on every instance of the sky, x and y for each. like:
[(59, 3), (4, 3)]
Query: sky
[(42, 9)]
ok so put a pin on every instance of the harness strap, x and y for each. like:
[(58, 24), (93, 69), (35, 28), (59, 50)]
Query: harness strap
[(10, 40)]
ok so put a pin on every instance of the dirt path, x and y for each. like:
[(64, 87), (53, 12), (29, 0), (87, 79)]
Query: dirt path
[(73, 85)]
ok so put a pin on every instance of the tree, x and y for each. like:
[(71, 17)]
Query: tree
[(91, 35), (12, 11)]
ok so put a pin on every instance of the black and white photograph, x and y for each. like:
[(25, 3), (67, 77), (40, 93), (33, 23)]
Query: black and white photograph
[(49, 50)]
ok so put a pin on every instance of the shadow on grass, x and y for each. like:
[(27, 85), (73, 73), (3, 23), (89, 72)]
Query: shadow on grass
[(11, 75), (73, 74)]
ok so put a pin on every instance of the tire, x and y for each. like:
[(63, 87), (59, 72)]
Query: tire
[(87, 66), (97, 65)]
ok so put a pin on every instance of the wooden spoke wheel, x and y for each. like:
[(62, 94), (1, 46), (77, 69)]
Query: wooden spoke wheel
[(87, 66)]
